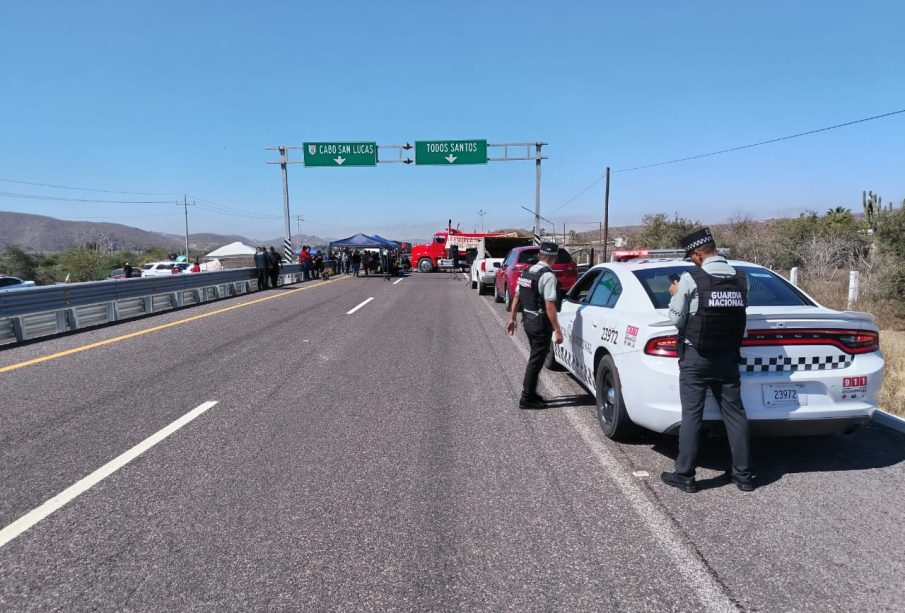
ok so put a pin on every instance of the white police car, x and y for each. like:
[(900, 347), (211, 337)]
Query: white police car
[(805, 369)]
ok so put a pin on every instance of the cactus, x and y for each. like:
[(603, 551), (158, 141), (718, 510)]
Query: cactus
[(873, 205)]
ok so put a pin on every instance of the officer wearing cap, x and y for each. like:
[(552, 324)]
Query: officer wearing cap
[(538, 295), (708, 308)]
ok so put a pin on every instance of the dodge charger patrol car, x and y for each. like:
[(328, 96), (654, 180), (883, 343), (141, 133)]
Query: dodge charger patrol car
[(805, 369)]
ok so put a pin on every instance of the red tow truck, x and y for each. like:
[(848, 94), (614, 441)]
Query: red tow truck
[(426, 258)]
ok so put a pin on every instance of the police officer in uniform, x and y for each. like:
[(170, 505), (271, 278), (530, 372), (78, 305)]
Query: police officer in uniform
[(708, 307), (538, 295)]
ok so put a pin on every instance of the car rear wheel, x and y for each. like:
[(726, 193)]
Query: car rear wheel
[(496, 294), (474, 284), (425, 265), (611, 413), (482, 289)]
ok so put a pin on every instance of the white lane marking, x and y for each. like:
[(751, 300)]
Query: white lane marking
[(397, 281), (80, 487), (684, 556), (360, 305)]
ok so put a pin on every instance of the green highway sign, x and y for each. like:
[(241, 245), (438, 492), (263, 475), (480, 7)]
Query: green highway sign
[(340, 154), (450, 152)]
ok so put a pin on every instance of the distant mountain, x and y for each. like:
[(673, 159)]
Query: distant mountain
[(50, 235)]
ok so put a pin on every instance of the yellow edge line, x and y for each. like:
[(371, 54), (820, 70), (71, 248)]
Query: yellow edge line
[(109, 341)]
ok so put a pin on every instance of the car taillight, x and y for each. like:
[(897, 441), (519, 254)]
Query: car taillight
[(663, 346), (849, 341), (483, 266)]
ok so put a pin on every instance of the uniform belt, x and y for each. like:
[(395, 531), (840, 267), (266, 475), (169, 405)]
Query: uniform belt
[(535, 313)]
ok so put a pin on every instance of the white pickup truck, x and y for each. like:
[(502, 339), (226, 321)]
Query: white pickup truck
[(492, 250)]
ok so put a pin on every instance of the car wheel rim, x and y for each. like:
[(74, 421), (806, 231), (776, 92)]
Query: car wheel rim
[(606, 401)]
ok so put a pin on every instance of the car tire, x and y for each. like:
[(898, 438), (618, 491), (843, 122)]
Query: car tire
[(550, 362), (611, 413), (425, 265), (474, 284), (507, 300), (482, 289), (496, 294)]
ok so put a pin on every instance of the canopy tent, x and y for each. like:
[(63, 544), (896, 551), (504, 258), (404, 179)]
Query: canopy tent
[(361, 241), (232, 250), (389, 243)]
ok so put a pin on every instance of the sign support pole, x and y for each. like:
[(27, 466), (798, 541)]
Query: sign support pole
[(537, 159), (287, 226)]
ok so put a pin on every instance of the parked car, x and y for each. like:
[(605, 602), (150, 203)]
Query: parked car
[(805, 369), (163, 269), (9, 284), (489, 256), (119, 273), (522, 258)]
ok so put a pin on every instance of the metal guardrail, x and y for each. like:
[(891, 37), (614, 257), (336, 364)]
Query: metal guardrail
[(42, 311)]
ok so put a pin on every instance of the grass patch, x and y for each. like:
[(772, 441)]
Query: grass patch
[(892, 394)]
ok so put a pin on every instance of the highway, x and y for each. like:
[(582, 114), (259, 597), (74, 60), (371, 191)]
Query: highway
[(376, 459)]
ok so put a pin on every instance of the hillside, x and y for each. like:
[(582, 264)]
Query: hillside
[(38, 233)]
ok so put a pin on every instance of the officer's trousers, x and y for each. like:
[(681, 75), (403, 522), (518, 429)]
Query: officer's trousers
[(717, 372), (539, 331)]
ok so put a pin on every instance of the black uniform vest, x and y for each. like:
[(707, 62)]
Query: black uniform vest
[(719, 323), (528, 294)]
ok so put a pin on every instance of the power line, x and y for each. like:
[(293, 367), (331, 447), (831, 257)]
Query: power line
[(764, 142), (231, 209), (712, 153), (88, 189), (61, 199)]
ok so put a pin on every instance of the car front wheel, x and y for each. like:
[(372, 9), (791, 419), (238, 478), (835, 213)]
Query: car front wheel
[(425, 265), (550, 362), (496, 294), (611, 413)]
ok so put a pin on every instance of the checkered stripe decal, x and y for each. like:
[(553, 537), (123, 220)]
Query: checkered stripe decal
[(786, 364)]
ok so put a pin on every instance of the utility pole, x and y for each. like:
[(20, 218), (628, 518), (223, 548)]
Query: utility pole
[(482, 212), (606, 214), (185, 207), (298, 229)]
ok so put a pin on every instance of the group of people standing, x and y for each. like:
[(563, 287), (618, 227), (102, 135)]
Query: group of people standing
[(353, 262), (267, 267), (312, 264)]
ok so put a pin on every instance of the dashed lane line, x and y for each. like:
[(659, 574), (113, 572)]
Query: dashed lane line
[(109, 341), (360, 305), (397, 281), (83, 485)]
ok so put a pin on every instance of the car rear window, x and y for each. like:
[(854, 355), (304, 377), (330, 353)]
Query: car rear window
[(529, 256), (765, 288)]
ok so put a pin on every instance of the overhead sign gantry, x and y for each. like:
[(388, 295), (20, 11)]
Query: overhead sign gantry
[(346, 154)]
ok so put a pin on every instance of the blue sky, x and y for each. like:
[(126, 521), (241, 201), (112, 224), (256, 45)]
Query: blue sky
[(183, 97)]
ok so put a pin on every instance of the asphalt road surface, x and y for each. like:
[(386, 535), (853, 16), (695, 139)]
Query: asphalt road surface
[(378, 461)]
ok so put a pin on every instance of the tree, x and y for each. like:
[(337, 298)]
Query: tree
[(659, 232), (17, 262), (81, 264)]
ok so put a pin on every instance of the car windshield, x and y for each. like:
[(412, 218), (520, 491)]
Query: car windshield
[(765, 288)]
